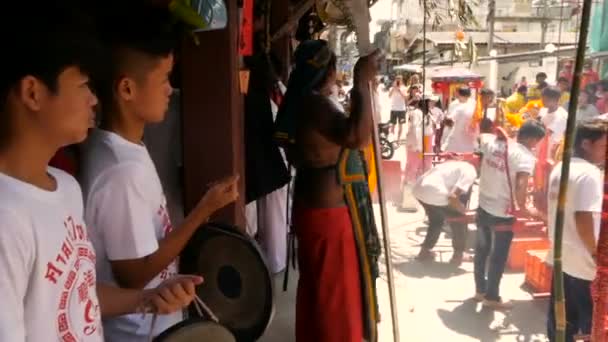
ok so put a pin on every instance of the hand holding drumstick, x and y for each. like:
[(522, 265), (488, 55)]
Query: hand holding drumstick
[(220, 194)]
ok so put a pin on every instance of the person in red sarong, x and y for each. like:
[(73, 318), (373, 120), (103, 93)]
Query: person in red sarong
[(338, 246)]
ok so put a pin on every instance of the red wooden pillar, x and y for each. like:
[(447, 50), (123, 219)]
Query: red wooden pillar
[(212, 120)]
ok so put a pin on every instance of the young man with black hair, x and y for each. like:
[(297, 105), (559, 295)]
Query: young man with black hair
[(461, 137), (506, 167), (488, 113), (535, 91), (582, 214), (514, 103), (553, 117), (131, 230), (49, 286)]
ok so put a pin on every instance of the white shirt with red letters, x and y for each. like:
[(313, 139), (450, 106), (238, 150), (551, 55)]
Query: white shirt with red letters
[(496, 197), (126, 211), (48, 284)]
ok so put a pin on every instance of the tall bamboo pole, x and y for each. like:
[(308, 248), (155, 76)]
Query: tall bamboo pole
[(385, 228), (558, 277), (423, 153), (357, 14)]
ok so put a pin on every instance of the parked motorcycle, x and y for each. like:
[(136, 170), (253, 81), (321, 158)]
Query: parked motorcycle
[(387, 150)]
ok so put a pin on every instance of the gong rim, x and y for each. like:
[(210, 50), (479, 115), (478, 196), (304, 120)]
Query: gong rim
[(171, 334), (221, 305)]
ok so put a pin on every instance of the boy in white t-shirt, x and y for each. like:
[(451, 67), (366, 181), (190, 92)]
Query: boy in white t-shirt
[(462, 136), (444, 192), (125, 206), (487, 97), (505, 169), (582, 213), (49, 287), (554, 117)]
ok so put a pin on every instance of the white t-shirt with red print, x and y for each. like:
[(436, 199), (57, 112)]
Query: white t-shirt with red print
[(584, 194), (495, 195), (437, 184), (126, 211), (48, 283)]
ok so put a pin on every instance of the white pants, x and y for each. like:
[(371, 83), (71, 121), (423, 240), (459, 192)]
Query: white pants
[(267, 217)]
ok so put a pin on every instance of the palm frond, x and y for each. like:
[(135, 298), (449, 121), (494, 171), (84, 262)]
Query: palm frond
[(440, 12)]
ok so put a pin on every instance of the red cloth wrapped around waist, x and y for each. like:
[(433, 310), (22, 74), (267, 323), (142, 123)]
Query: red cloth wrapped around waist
[(329, 299), (321, 222)]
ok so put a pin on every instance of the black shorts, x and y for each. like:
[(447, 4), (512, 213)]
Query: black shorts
[(397, 115)]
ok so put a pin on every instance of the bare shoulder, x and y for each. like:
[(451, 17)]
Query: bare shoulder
[(318, 108), (319, 103)]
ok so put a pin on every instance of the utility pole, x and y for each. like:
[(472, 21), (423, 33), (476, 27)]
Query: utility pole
[(490, 22), (544, 24)]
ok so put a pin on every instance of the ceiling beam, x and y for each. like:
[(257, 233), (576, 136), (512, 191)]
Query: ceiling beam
[(294, 16)]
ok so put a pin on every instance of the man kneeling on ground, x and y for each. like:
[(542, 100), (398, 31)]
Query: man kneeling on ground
[(444, 191)]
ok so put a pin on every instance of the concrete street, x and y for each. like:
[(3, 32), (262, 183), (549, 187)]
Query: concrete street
[(432, 298)]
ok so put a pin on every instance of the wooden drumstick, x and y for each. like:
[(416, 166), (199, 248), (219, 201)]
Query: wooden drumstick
[(201, 306)]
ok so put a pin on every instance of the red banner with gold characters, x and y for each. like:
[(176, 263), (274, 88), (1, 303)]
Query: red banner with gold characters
[(246, 35)]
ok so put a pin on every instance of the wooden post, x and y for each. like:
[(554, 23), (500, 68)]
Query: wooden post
[(279, 16), (212, 119)]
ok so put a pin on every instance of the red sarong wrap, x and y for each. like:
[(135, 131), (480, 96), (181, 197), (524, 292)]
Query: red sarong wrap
[(599, 287), (338, 254), (328, 304)]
